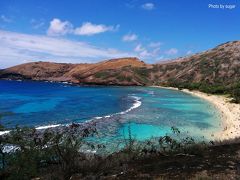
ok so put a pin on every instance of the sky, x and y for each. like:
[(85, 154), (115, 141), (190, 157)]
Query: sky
[(88, 31)]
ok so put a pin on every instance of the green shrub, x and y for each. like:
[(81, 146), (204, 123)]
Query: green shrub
[(102, 74), (236, 95), (124, 78), (36, 151), (143, 72)]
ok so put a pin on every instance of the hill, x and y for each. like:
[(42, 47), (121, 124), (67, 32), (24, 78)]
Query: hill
[(107, 72), (220, 65), (217, 66)]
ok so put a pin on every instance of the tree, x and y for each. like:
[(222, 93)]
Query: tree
[(236, 95)]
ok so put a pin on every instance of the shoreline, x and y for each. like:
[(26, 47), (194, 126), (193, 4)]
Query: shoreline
[(230, 113)]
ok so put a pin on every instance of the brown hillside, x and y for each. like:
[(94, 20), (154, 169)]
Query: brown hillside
[(76, 73), (220, 65)]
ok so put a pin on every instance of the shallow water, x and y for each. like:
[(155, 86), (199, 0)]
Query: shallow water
[(148, 112)]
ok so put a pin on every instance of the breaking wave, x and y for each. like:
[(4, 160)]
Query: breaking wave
[(137, 103)]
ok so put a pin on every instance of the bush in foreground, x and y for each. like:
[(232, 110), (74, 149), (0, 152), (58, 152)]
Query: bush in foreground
[(68, 153), (27, 153)]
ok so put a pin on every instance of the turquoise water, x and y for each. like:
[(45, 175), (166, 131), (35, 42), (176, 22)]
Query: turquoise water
[(148, 112)]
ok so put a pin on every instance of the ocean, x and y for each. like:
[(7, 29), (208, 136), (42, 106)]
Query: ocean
[(147, 111)]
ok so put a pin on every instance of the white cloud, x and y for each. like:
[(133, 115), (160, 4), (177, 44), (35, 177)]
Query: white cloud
[(172, 51), (148, 6), (58, 27), (139, 48), (155, 44), (90, 29), (146, 53), (17, 48), (130, 37), (5, 19), (36, 24), (156, 51), (189, 52)]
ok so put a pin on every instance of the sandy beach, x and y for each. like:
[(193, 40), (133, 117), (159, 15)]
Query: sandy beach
[(230, 113)]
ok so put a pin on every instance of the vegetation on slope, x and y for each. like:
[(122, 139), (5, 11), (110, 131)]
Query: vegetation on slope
[(216, 71), (231, 90)]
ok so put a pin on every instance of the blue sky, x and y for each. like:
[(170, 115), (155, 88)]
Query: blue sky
[(92, 30)]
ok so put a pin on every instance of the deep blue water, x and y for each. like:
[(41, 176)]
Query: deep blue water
[(150, 112)]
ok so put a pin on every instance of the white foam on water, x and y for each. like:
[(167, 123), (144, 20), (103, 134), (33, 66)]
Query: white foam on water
[(90, 151), (137, 103), (38, 128), (151, 92), (98, 117), (4, 132), (48, 126)]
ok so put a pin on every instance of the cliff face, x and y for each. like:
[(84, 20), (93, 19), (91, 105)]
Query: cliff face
[(220, 65)]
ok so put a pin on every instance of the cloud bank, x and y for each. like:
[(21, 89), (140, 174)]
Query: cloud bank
[(17, 48)]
